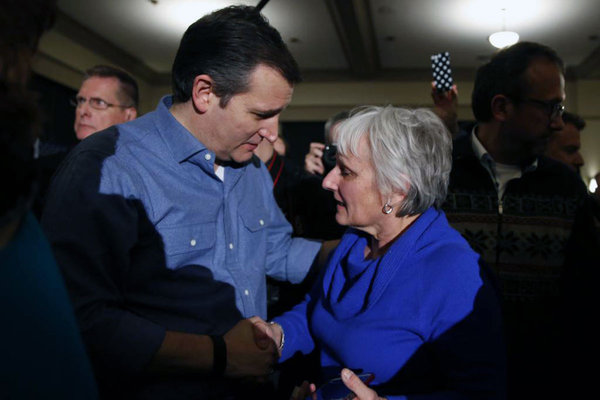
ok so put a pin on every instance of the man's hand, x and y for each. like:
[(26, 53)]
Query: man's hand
[(271, 333), (357, 386), (250, 351), (313, 163), (445, 106)]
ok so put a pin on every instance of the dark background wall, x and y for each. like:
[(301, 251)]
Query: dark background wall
[(298, 136), (58, 114)]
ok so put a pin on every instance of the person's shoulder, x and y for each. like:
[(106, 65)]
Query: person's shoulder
[(97, 150), (102, 142), (445, 254), (549, 165), (88, 156), (101, 157), (461, 145), (465, 164), (449, 255), (136, 132), (560, 177), (449, 278)]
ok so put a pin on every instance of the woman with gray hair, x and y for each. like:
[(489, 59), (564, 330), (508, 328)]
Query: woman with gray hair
[(403, 296)]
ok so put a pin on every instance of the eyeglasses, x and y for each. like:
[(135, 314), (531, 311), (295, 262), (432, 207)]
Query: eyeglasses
[(95, 102), (553, 109)]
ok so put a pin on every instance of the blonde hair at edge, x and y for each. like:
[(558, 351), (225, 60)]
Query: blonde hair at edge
[(411, 152)]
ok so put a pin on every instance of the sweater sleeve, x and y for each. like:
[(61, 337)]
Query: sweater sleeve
[(93, 236), (295, 324), (465, 328)]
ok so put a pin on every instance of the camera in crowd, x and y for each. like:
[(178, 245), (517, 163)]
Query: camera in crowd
[(329, 157)]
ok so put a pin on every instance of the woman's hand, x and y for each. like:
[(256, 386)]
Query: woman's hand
[(361, 391), (272, 330)]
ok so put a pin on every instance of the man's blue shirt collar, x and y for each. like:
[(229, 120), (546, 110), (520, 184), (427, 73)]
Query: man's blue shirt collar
[(180, 141)]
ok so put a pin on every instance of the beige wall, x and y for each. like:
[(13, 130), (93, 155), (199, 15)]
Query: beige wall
[(64, 61), (318, 101)]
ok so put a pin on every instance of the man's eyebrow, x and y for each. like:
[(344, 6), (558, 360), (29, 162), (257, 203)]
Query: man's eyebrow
[(267, 113)]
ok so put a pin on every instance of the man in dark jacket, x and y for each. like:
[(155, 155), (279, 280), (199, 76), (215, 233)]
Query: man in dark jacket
[(527, 215)]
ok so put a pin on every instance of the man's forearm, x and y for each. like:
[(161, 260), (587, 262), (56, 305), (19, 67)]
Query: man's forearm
[(249, 353), (183, 353)]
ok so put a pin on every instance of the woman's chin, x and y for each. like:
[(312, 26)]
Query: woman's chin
[(341, 219)]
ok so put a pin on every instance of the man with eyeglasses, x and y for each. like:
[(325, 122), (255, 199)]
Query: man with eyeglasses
[(108, 96), (527, 215)]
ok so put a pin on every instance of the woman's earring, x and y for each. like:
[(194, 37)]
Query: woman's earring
[(387, 209)]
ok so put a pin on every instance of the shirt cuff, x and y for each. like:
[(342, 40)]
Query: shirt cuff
[(300, 258)]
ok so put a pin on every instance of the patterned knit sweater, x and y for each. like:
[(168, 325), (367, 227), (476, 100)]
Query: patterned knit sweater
[(538, 239)]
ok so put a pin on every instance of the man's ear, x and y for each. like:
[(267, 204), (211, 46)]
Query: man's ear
[(501, 106), (202, 92), (130, 114)]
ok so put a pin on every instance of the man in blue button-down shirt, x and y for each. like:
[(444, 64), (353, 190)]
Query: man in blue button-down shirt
[(166, 227)]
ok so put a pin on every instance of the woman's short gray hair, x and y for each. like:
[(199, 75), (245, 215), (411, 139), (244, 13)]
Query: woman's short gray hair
[(411, 152)]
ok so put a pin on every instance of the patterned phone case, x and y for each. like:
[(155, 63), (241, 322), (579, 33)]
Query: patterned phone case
[(442, 74)]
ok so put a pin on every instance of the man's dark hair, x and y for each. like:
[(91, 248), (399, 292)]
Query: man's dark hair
[(227, 45), (129, 87), (505, 74), (574, 119)]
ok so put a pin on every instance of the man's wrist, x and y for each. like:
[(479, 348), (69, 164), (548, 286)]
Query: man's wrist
[(219, 355)]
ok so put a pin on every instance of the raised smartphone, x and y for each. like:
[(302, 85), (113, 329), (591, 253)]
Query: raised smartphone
[(442, 73)]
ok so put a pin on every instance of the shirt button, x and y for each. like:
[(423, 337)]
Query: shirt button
[(207, 157), (261, 222), (193, 242), (230, 246), (246, 292)]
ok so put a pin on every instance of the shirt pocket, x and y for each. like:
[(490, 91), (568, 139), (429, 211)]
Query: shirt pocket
[(189, 245), (255, 219)]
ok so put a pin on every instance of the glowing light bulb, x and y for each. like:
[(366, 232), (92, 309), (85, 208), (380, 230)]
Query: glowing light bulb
[(593, 185), (503, 39)]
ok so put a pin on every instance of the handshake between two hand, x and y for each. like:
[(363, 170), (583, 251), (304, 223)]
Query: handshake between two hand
[(253, 347)]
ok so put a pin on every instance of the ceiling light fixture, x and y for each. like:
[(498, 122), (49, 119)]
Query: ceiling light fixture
[(503, 38), (593, 186)]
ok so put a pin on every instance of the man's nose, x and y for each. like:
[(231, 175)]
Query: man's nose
[(83, 108), (270, 129)]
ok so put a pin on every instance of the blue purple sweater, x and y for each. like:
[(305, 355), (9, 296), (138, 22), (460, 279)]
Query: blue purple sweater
[(424, 317)]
